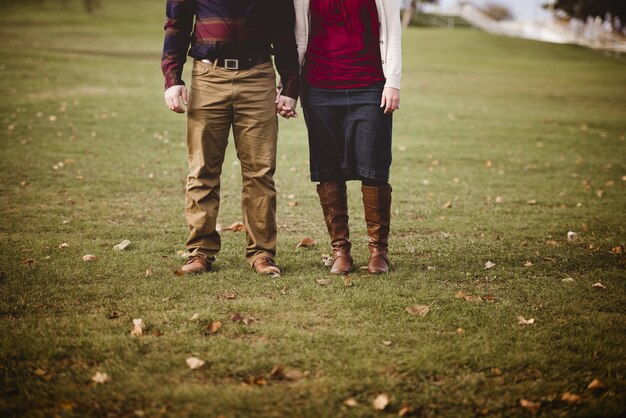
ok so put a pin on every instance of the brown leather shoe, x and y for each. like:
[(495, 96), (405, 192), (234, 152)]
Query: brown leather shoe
[(334, 201), (377, 205), (196, 264), (265, 265)]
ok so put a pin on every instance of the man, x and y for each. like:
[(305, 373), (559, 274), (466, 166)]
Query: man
[(233, 84)]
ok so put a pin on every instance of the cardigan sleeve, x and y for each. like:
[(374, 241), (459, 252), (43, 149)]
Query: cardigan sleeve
[(393, 59), (301, 28)]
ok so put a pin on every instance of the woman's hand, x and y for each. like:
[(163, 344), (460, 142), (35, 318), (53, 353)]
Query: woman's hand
[(390, 100)]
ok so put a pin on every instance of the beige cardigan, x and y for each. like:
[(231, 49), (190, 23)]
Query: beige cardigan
[(390, 37)]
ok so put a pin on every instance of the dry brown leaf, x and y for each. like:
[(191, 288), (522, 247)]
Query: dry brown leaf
[(350, 402), (567, 280), (417, 310), (460, 294), (323, 282), (306, 242), (549, 259), (595, 384), (570, 398), (89, 257), (619, 250), (405, 411), (530, 406), (115, 314), (460, 330), (64, 245), (236, 227), (386, 343), (213, 327), (551, 242), (489, 265), (523, 321), (122, 245), (194, 317), (528, 263), (138, 327), (381, 402), (499, 199), (101, 378), (599, 193), (28, 261), (67, 406), (447, 205), (531, 202), (194, 362), (292, 203), (149, 272), (598, 286), (347, 281)]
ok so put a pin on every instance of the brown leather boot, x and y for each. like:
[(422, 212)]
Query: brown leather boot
[(377, 204), (334, 201)]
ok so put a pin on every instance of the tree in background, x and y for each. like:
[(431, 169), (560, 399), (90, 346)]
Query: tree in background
[(582, 9), (409, 12), (497, 12)]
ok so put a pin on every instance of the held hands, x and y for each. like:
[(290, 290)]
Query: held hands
[(285, 106), (390, 100), (172, 98)]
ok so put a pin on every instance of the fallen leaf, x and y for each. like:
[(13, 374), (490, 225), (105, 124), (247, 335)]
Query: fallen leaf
[(405, 410), (323, 282), (64, 245), (447, 205), (489, 298), (381, 402), (194, 362), (122, 245), (599, 286), (528, 263), (595, 384), (89, 257), (386, 343), (101, 378), (523, 321), (67, 406), (499, 199), (551, 242), (115, 314), (460, 294), (489, 265), (213, 327), (570, 398), (230, 296), (194, 317), (618, 250), (28, 261), (418, 310), (138, 327), (350, 402), (327, 259), (572, 236), (567, 280), (460, 330), (347, 281), (531, 202), (236, 227), (292, 203), (149, 272), (550, 259), (530, 406), (306, 242), (599, 193)]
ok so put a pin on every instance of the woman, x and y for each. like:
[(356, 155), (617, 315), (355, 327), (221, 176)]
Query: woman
[(350, 58)]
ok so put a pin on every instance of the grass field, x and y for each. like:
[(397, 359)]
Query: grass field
[(502, 147)]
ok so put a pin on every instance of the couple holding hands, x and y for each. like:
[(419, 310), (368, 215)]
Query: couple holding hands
[(342, 57)]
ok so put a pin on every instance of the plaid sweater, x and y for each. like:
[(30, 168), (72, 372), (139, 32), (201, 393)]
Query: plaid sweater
[(231, 29)]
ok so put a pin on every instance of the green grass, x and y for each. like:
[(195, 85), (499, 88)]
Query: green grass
[(482, 117)]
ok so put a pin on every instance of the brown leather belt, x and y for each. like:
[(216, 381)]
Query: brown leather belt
[(235, 64)]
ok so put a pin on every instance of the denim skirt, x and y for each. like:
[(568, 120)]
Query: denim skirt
[(349, 134)]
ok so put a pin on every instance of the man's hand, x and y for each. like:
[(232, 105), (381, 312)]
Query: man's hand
[(173, 96), (286, 106), (390, 100)]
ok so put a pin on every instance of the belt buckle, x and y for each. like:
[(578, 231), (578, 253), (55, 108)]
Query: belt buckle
[(231, 64)]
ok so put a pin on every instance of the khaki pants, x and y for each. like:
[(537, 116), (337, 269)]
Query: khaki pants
[(243, 99)]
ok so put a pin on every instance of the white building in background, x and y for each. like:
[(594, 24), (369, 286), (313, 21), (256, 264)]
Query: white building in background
[(532, 21)]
